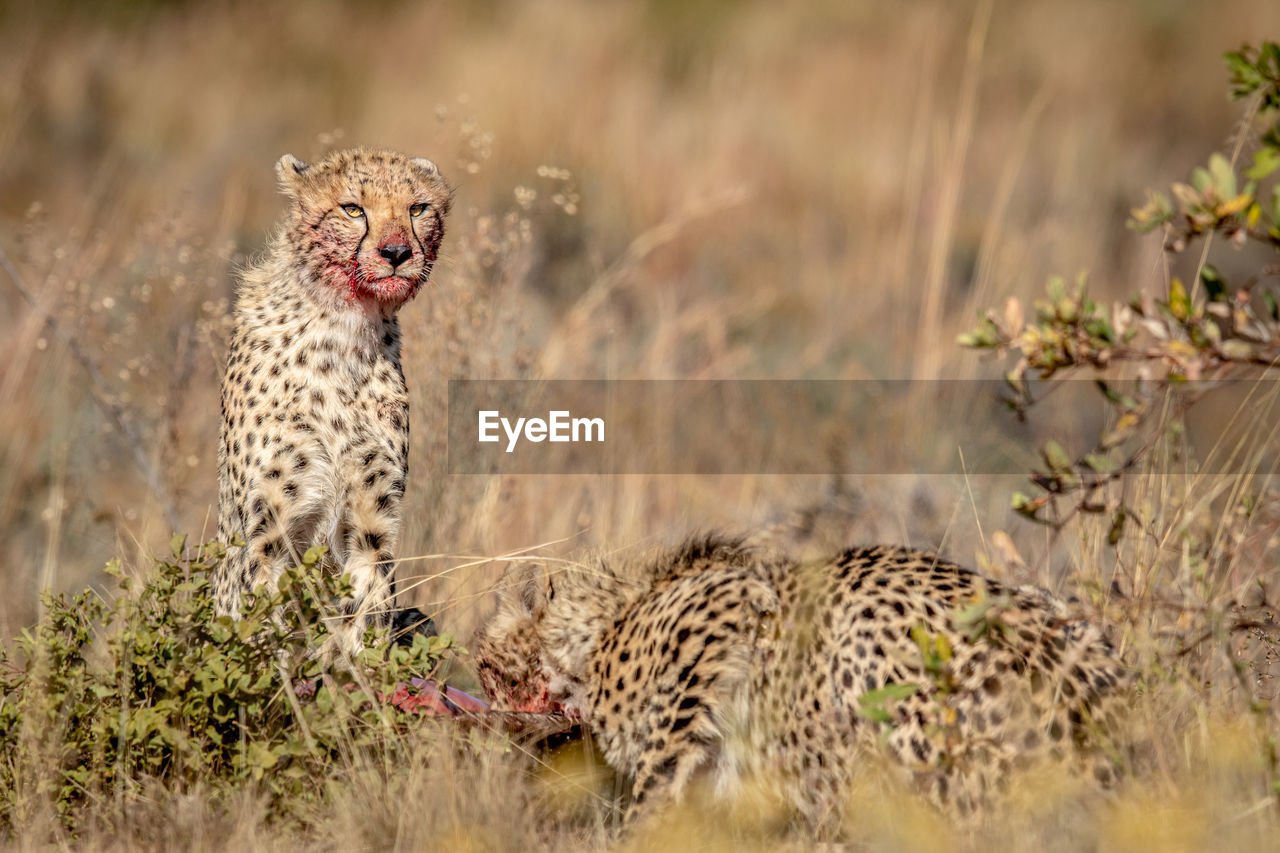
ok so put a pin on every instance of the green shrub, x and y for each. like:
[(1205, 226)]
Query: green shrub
[(1212, 330), (152, 685)]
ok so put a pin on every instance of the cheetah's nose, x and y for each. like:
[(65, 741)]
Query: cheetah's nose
[(396, 255)]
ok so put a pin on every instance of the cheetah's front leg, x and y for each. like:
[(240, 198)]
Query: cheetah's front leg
[(370, 533), (682, 738), (272, 538)]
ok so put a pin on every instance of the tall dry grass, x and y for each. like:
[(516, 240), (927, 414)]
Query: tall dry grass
[(646, 190)]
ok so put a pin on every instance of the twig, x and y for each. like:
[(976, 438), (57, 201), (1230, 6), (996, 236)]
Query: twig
[(101, 395)]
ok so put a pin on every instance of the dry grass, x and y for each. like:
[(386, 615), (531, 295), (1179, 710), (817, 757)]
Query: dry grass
[(647, 190)]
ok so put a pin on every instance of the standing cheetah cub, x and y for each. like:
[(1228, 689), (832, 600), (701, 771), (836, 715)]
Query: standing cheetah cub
[(315, 413), (790, 676)]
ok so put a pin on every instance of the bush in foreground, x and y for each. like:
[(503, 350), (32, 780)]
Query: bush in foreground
[(150, 686)]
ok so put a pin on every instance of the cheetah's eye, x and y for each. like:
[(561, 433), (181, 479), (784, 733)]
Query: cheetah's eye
[(417, 210), (353, 210)]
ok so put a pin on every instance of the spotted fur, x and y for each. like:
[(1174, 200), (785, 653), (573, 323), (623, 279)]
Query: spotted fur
[(718, 658), (315, 413)]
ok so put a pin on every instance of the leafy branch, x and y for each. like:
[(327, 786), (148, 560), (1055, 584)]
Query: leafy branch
[(1209, 332), (1217, 200)]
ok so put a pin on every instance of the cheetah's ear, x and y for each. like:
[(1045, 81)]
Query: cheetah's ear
[(425, 165), (290, 170), (533, 591), (521, 592)]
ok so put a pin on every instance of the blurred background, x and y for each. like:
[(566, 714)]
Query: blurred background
[(657, 189)]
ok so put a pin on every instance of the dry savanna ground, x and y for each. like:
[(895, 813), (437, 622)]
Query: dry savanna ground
[(661, 189)]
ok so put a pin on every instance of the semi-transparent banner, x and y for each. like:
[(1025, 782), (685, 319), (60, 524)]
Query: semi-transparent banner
[(835, 426)]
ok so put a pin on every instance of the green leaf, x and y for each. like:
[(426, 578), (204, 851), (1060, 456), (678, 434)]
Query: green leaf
[(1237, 350), (1269, 60), (1028, 507), (1115, 397), (895, 692), (1223, 176), (1157, 211), (1056, 457), (871, 705), (1245, 78), (1179, 302), (985, 335), (324, 700), (1265, 161), (1099, 328), (1100, 463), (177, 544), (259, 759)]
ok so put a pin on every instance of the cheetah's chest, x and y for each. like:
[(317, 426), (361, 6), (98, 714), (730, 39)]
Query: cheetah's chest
[(347, 395), (328, 415)]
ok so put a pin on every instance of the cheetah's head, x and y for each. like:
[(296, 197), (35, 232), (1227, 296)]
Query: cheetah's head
[(368, 224), (508, 655), (532, 654)]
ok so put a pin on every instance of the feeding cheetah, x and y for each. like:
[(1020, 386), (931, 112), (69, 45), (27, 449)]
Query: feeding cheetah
[(315, 414), (757, 667)]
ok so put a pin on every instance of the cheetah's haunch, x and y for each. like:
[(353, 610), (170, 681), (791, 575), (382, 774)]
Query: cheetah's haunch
[(315, 413), (716, 657)]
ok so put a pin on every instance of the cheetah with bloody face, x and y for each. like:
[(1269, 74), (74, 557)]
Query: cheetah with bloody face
[(315, 414), (789, 675)]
